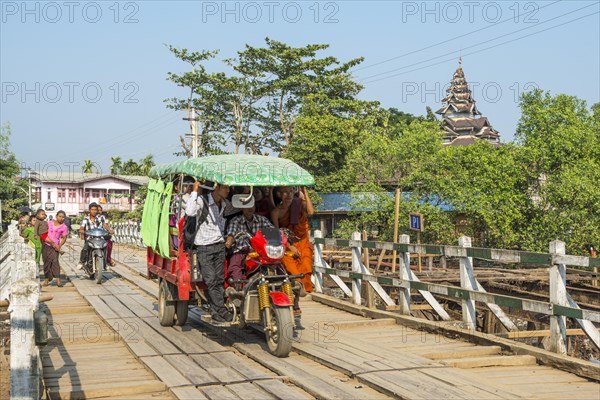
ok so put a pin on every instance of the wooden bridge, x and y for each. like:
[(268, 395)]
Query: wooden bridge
[(106, 342)]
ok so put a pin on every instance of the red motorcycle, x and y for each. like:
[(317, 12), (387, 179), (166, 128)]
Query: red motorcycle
[(266, 295)]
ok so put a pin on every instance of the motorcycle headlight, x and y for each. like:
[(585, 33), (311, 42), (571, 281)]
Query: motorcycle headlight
[(97, 243), (274, 251)]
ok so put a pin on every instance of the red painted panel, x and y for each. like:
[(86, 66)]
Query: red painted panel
[(280, 299)]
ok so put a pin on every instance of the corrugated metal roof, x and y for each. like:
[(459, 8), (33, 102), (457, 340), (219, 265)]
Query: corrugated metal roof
[(80, 177), (344, 202)]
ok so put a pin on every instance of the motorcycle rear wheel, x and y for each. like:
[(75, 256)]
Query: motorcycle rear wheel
[(280, 339)]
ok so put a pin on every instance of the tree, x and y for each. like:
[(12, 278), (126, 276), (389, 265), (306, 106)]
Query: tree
[(560, 137), (13, 191), (327, 131), (140, 199), (392, 157), (130, 167), (88, 167), (290, 74), (204, 96), (482, 184), (117, 164), (256, 107), (145, 164)]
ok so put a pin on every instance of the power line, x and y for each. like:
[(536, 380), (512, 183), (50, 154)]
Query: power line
[(446, 41), (155, 128), (487, 48), (472, 46), (127, 138), (112, 144)]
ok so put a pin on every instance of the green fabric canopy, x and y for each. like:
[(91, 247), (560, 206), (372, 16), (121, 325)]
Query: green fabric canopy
[(239, 170)]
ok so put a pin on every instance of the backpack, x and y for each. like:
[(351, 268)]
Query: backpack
[(192, 223)]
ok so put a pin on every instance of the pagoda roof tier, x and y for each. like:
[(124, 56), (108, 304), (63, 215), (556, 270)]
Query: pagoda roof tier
[(459, 108), (478, 127), (459, 97)]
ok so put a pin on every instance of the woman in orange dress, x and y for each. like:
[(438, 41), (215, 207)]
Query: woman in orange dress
[(292, 213)]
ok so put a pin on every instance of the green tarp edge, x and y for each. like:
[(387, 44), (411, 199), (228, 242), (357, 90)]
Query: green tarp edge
[(239, 170), (163, 228)]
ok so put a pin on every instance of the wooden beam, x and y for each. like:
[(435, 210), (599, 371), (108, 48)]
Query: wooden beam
[(539, 333)]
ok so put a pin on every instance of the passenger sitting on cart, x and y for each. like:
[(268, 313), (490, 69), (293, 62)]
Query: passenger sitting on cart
[(248, 222), (176, 213)]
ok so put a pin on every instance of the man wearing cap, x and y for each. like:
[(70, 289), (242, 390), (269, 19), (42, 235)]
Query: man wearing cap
[(250, 223)]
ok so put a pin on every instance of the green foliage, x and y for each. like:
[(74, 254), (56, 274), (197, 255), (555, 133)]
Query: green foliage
[(140, 199), (256, 108), (293, 101), (560, 137), (393, 157), (523, 195), (131, 167), (88, 167), (327, 131), (485, 185), (116, 166), (13, 192)]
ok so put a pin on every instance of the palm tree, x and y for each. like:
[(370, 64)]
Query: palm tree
[(117, 165), (130, 167), (88, 166), (146, 163)]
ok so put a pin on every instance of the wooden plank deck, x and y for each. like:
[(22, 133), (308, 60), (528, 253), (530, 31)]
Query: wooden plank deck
[(193, 362), (338, 355), (80, 358)]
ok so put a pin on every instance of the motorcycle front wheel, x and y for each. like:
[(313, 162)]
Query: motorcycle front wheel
[(279, 339), (98, 268)]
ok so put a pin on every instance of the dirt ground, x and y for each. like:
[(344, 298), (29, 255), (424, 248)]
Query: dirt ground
[(4, 361)]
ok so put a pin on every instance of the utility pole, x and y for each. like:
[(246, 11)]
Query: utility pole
[(29, 185), (194, 131), (1, 230)]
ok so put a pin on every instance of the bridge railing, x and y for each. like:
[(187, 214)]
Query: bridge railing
[(20, 288), (560, 307), (128, 233)]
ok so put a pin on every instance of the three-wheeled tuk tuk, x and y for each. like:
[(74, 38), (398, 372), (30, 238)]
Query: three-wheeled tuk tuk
[(265, 296)]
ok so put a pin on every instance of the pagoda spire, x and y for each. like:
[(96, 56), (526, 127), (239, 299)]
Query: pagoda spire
[(461, 116)]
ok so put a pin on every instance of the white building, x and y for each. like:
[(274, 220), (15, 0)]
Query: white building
[(73, 192)]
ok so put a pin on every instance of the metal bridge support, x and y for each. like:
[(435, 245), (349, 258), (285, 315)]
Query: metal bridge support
[(558, 296), (467, 281), (356, 282), (317, 276), (404, 269), (405, 239)]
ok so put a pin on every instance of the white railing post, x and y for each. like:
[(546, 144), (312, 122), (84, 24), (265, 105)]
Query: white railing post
[(466, 282), (404, 271), (24, 355), (317, 276), (558, 295), (356, 283)]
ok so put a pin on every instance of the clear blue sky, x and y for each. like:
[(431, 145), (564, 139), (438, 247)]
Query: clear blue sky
[(55, 58)]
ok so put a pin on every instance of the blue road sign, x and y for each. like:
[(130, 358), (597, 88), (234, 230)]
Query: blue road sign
[(416, 222)]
